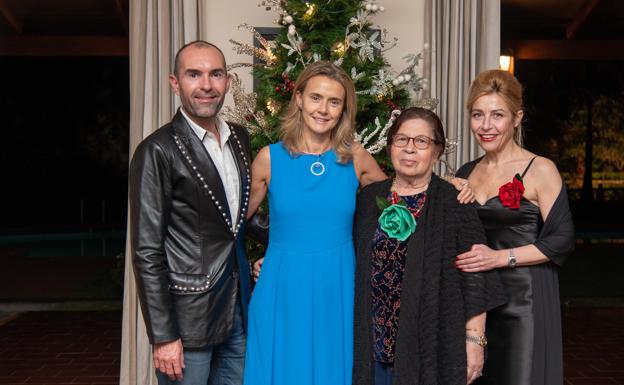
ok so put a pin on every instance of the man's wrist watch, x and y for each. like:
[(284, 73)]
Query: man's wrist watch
[(479, 340), (511, 262)]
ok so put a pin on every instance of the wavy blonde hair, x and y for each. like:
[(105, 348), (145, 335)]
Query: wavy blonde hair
[(504, 85), (342, 133)]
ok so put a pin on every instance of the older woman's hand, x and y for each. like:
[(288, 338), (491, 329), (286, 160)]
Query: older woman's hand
[(475, 359), (480, 258), (466, 195)]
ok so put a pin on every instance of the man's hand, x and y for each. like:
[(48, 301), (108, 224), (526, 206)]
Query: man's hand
[(169, 358), (256, 269)]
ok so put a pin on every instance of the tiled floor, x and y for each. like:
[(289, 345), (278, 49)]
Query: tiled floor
[(594, 346), (83, 347), (61, 348)]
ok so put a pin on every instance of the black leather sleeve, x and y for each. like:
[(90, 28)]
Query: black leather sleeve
[(150, 192), (258, 228)]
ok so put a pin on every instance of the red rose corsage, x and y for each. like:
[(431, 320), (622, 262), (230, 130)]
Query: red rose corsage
[(510, 194)]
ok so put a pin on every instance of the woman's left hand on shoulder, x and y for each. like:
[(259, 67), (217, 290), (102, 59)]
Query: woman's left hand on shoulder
[(466, 195), (480, 258)]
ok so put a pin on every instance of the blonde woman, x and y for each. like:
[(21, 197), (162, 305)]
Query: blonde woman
[(523, 206), (301, 312)]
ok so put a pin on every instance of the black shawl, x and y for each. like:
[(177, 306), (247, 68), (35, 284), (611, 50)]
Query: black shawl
[(557, 237), (436, 300)]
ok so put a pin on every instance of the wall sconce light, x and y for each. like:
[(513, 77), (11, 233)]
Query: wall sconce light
[(506, 61)]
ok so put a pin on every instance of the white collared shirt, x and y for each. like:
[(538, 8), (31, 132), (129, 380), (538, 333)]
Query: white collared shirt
[(223, 159)]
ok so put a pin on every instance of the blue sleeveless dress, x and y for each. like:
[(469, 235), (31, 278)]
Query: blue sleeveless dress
[(300, 329)]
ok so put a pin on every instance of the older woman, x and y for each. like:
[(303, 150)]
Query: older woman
[(418, 319), (523, 206)]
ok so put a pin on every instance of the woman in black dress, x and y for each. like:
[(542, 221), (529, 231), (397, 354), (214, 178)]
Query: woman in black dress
[(523, 206), (418, 319)]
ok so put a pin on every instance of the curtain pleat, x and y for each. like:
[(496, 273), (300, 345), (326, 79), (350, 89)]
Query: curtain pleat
[(464, 39)]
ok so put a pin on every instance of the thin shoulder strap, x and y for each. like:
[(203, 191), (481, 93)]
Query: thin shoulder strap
[(527, 167), (465, 170)]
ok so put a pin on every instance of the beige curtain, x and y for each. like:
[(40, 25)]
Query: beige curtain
[(464, 39), (158, 28)]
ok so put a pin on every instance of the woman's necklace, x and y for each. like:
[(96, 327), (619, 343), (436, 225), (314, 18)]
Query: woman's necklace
[(317, 168), (418, 188)]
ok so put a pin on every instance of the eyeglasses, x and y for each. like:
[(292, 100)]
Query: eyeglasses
[(421, 142)]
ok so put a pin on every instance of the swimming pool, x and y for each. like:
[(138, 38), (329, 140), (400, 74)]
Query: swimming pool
[(67, 244)]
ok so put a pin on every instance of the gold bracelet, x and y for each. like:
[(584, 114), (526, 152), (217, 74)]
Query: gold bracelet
[(479, 340)]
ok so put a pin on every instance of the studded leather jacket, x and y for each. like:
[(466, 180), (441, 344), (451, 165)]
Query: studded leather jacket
[(188, 254)]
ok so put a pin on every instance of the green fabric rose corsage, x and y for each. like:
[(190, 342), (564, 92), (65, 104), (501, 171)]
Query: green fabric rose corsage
[(396, 220)]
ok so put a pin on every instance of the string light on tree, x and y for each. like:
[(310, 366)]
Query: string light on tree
[(310, 11), (271, 56), (339, 48), (272, 106)]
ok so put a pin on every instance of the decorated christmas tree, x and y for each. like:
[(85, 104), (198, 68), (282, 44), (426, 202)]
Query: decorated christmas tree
[(337, 30)]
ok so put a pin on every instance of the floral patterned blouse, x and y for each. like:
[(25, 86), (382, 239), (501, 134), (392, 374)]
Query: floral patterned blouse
[(387, 266)]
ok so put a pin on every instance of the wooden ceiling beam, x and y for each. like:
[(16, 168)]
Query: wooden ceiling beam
[(580, 17), (63, 46), (566, 49), (122, 15), (8, 18)]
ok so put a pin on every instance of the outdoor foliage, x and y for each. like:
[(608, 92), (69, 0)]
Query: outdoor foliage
[(608, 141)]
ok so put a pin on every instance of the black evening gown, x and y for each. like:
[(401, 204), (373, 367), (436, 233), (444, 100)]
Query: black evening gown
[(525, 343)]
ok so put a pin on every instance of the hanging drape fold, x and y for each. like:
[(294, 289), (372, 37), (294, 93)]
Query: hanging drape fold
[(464, 39)]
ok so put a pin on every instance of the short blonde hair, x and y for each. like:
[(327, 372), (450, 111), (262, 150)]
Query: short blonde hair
[(342, 134), (504, 85)]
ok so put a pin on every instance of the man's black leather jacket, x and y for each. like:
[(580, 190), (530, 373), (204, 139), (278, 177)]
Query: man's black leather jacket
[(189, 263)]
